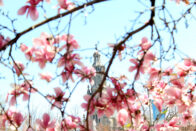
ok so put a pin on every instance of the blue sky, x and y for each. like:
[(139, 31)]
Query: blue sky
[(106, 24)]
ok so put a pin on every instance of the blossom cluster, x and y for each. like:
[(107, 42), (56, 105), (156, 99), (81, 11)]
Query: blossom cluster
[(166, 89)]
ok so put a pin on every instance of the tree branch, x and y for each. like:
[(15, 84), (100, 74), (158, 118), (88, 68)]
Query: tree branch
[(18, 35)]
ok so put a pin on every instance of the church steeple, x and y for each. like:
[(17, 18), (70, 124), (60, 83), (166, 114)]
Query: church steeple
[(99, 70), (97, 61)]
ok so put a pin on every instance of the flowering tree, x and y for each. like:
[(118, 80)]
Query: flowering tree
[(55, 57)]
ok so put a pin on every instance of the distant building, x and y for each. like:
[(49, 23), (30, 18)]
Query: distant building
[(104, 123), (110, 124)]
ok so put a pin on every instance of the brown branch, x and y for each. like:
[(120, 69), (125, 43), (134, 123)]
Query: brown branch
[(18, 35)]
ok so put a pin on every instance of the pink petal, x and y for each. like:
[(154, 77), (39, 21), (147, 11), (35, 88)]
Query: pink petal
[(58, 91), (87, 97), (122, 117), (188, 62), (52, 124), (23, 47), (46, 76), (134, 61), (13, 101), (50, 129), (132, 68), (158, 104), (25, 97), (40, 123), (46, 119), (33, 13), (18, 118), (84, 105), (144, 40), (1, 2), (172, 91), (23, 10)]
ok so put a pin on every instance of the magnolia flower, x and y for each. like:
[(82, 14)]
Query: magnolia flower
[(1, 2), (71, 122), (18, 118), (28, 51), (92, 105), (120, 49), (19, 67), (71, 42), (30, 9), (12, 116), (46, 76), (45, 122), (145, 45), (3, 41), (18, 90), (154, 73), (137, 66), (58, 98), (65, 5), (122, 117), (86, 73)]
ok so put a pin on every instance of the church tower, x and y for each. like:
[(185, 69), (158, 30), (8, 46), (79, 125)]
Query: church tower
[(99, 76), (100, 69), (103, 123)]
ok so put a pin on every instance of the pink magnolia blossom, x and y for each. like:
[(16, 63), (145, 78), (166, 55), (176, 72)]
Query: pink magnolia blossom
[(122, 117), (114, 101), (58, 99), (19, 68), (149, 56), (45, 122), (3, 41), (103, 107), (68, 73), (69, 61), (92, 105), (12, 117), (65, 5), (120, 49), (172, 125), (117, 84), (154, 73), (173, 92), (30, 9), (185, 68), (70, 122), (28, 51), (168, 72), (43, 50), (187, 118), (137, 66), (145, 45), (159, 103), (1, 2), (44, 40), (18, 118), (46, 76), (71, 42), (178, 82), (86, 73), (18, 90)]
